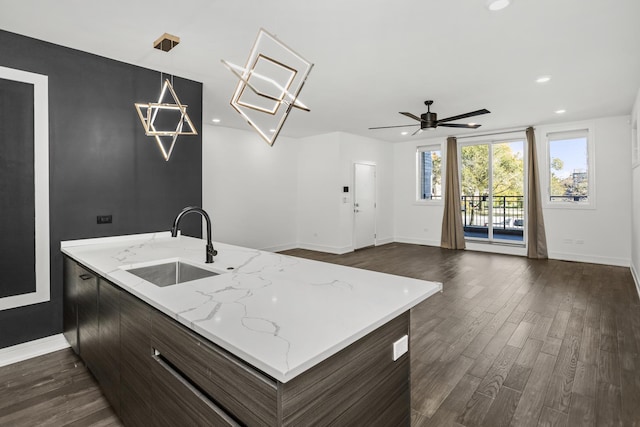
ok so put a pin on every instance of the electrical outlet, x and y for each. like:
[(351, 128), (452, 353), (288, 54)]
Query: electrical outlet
[(104, 219), (400, 347)]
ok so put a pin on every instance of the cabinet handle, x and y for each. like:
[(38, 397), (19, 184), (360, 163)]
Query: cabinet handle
[(85, 276)]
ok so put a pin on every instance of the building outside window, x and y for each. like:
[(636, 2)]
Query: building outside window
[(570, 175), (429, 173)]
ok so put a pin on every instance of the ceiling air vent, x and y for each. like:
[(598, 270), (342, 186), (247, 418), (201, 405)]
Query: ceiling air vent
[(166, 42)]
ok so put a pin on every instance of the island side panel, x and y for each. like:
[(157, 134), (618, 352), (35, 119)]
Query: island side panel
[(360, 385), (135, 368)]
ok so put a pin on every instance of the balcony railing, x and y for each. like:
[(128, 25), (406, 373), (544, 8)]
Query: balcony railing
[(507, 216)]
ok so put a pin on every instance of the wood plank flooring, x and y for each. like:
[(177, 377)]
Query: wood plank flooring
[(52, 390), (510, 341), (516, 342)]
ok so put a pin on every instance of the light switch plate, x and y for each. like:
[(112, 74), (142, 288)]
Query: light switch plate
[(400, 347)]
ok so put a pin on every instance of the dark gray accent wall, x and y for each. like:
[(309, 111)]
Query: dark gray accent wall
[(17, 198), (101, 163)]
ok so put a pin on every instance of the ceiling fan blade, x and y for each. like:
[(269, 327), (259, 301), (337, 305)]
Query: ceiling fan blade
[(456, 125), (413, 116), (464, 116), (417, 132), (389, 127)]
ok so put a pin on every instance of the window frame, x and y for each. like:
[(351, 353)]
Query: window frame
[(563, 132), (419, 174)]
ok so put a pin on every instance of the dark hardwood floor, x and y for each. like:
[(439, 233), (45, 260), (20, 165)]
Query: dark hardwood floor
[(510, 341), (52, 390), (513, 341)]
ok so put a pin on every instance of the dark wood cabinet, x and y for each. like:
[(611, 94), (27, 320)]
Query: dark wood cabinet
[(86, 286), (177, 402), (70, 304), (92, 325), (135, 361), (107, 366), (241, 390)]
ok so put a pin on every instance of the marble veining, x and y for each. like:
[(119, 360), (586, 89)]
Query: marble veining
[(281, 314)]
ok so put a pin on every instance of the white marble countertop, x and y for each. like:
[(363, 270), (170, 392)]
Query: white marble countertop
[(281, 314)]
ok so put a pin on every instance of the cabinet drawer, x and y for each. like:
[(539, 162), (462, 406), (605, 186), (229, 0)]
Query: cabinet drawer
[(178, 403), (248, 395)]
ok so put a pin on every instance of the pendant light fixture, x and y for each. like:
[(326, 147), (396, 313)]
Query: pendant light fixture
[(149, 117), (148, 113), (269, 85)]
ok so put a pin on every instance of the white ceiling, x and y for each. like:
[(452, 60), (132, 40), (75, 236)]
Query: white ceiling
[(374, 58)]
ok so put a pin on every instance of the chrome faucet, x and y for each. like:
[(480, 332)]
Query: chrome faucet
[(174, 230)]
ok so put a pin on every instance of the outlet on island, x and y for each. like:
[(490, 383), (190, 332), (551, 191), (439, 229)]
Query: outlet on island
[(104, 219)]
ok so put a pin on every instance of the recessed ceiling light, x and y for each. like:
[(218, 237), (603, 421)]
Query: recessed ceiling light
[(272, 130), (494, 5), (404, 133), (561, 111), (543, 79), (215, 120)]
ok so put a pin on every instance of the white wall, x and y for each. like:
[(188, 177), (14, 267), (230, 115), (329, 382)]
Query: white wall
[(325, 166), (358, 149), (415, 222), (250, 188), (635, 187), (319, 193), (604, 231), (599, 235), (290, 195)]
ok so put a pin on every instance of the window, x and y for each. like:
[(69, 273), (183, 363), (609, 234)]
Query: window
[(570, 168), (429, 161)]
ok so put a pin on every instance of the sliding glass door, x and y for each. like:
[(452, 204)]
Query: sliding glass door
[(492, 189)]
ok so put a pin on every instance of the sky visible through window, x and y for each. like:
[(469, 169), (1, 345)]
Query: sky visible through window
[(572, 152)]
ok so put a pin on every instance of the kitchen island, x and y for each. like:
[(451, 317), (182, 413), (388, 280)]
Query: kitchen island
[(316, 341)]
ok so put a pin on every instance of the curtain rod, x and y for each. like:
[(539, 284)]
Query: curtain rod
[(491, 134)]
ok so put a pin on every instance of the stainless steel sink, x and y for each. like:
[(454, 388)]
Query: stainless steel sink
[(171, 273)]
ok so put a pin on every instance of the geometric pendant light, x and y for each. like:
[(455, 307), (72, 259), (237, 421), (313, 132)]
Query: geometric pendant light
[(269, 85), (149, 119)]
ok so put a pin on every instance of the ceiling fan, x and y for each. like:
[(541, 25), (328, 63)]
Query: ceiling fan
[(430, 120)]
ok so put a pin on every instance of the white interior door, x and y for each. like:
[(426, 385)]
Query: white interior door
[(364, 205)]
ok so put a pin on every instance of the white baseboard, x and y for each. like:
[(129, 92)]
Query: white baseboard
[(496, 248), (27, 350), (414, 241), (636, 279), (327, 249), (278, 248), (593, 259), (384, 241)]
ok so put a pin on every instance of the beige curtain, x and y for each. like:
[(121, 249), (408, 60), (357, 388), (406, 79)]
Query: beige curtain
[(537, 247), (452, 231)]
